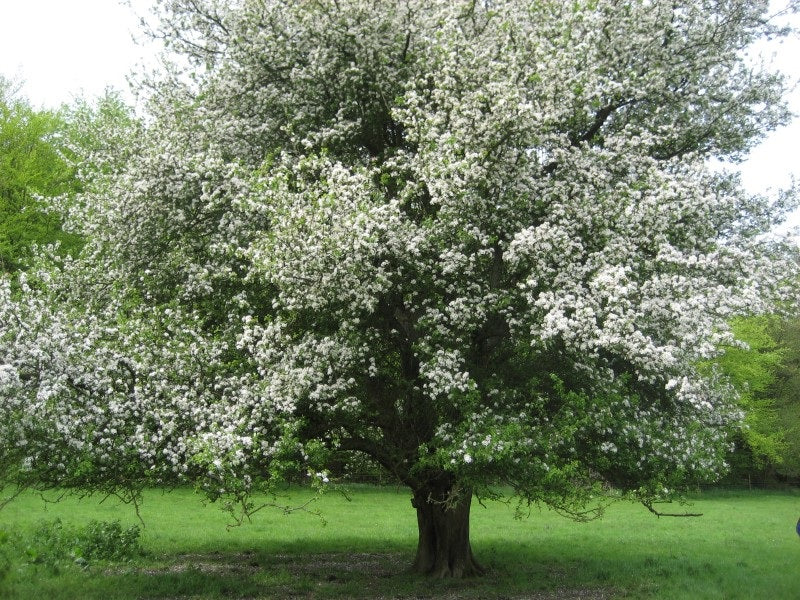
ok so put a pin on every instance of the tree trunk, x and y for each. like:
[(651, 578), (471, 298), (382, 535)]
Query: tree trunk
[(443, 549)]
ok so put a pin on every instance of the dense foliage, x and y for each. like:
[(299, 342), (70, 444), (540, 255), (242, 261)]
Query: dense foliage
[(786, 392), (766, 373), (754, 371), (478, 243), (33, 167)]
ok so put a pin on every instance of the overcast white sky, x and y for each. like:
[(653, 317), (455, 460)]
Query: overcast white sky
[(67, 48)]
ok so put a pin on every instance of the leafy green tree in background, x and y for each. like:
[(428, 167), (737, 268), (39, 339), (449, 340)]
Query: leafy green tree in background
[(786, 390), (766, 373), (753, 369), (33, 166)]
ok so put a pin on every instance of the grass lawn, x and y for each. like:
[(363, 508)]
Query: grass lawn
[(745, 546)]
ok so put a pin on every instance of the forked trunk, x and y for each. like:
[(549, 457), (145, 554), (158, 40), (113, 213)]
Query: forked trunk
[(443, 549)]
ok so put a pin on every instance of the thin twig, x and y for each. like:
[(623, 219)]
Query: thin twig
[(5, 501)]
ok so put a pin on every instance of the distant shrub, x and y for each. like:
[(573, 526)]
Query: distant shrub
[(53, 542), (107, 540)]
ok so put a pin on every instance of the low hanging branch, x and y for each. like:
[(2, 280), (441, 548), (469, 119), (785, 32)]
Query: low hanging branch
[(9, 499), (649, 506)]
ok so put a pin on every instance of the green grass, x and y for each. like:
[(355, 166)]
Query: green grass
[(745, 546)]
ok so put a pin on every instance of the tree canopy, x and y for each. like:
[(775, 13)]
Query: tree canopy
[(476, 242)]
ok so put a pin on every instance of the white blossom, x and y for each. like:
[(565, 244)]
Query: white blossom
[(439, 233)]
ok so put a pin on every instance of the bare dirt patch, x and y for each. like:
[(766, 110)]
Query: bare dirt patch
[(374, 573), (372, 564)]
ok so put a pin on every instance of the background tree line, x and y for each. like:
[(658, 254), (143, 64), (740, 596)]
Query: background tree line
[(767, 376), (34, 166)]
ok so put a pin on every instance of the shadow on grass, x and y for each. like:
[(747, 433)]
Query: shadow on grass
[(295, 571)]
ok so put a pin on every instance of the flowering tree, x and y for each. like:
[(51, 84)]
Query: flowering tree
[(476, 242)]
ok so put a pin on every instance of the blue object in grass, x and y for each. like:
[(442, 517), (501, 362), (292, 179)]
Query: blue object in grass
[(798, 526)]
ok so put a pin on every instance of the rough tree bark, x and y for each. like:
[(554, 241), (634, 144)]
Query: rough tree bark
[(443, 549)]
